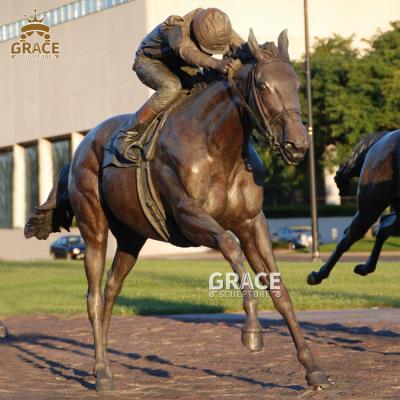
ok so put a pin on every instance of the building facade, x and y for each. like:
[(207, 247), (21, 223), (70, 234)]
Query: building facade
[(47, 105)]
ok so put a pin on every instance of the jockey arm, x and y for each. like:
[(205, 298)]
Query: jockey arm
[(193, 56), (187, 50), (179, 39)]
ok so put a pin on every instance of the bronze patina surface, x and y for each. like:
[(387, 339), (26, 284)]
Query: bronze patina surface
[(171, 57), (209, 196)]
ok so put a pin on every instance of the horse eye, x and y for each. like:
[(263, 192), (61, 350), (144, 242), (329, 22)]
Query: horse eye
[(262, 86)]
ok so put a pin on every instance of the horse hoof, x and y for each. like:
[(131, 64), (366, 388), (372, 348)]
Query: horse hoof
[(253, 340), (312, 279), (104, 385), (3, 331), (361, 270), (318, 380)]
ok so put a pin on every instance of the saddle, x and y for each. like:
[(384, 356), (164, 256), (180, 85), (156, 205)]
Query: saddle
[(145, 146)]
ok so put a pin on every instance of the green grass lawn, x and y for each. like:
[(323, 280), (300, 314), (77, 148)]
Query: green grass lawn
[(392, 244), (160, 287)]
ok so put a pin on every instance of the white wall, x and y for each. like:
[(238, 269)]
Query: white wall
[(91, 81)]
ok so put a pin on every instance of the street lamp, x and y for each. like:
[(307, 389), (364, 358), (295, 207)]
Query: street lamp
[(313, 192)]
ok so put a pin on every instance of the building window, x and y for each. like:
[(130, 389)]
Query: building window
[(76, 9), (6, 189), (31, 179), (61, 152)]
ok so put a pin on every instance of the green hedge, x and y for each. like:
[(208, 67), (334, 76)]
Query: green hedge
[(299, 211)]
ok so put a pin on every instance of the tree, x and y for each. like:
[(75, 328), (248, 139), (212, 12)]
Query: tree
[(382, 72), (354, 94)]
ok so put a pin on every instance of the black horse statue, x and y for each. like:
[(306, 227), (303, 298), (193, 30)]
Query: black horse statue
[(376, 160), (209, 195)]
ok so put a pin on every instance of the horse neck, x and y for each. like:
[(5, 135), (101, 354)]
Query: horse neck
[(222, 121), (352, 166)]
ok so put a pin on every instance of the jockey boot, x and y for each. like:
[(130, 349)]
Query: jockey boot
[(131, 132)]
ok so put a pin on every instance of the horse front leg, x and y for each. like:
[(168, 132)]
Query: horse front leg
[(201, 228), (255, 239), (252, 337), (389, 226)]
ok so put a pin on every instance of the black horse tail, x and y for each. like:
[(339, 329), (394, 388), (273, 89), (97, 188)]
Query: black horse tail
[(56, 212), (352, 166)]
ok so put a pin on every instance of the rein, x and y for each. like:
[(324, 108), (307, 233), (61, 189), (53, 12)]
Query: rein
[(264, 124)]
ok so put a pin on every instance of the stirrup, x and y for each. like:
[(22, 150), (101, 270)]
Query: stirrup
[(131, 148)]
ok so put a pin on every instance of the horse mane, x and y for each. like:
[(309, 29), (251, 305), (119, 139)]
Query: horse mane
[(270, 50), (352, 166)]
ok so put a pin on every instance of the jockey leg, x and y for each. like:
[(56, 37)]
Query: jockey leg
[(156, 75)]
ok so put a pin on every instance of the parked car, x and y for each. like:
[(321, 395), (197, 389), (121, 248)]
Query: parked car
[(293, 237), (71, 247)]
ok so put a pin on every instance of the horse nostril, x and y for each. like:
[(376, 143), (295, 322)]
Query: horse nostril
[(295, 150)]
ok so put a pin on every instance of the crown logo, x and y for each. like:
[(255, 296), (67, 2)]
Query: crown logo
[(34, 40), (34, 18), (35, 24)]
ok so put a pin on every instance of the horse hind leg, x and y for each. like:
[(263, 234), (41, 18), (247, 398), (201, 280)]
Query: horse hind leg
[(357, 229), (93, 226), (389, 226), (129, 245)]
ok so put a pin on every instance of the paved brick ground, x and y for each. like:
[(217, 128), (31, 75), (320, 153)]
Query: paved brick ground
[(165, 358)]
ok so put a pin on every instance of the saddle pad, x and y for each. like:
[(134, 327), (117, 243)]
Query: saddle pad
[(149, 200)]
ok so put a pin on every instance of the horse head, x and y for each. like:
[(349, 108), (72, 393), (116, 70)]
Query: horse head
[(273, 94)]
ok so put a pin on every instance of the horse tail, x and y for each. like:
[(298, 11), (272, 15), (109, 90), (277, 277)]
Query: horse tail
[(56, 212), (352, 166)]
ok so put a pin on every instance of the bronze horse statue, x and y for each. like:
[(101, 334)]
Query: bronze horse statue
[(376, 160), (209, 195)]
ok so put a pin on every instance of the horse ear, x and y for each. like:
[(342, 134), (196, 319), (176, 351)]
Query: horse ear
[(283, 44), (254, 47)]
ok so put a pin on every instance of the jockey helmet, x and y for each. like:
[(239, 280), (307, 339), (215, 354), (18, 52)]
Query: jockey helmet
[(212, 30)]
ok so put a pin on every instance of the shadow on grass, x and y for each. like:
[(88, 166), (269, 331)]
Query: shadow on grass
[(152, 306)]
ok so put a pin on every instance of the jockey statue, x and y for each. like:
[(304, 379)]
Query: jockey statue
[(174, 50)]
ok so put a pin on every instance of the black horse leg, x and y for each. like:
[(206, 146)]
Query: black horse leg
[(389, 226), (357, 229)]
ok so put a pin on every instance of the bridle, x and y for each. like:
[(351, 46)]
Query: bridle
[(264, 123)]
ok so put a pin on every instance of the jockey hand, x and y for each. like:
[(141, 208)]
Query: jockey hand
[(225, 64)]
